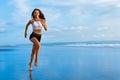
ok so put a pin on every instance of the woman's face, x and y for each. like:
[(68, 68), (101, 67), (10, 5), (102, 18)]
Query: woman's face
[(36, 13)]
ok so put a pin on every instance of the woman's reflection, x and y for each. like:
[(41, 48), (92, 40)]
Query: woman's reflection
[(30, 75)]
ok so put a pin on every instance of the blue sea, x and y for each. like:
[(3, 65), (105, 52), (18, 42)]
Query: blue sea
[(62, 61)]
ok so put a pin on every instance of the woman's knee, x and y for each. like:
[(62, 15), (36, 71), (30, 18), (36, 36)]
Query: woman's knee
[(37, 46), (35, 42)]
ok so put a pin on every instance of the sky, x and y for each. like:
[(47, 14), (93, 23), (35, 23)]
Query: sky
[(67, 20)]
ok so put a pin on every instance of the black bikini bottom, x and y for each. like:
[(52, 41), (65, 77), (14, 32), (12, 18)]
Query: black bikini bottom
[(37, 36)]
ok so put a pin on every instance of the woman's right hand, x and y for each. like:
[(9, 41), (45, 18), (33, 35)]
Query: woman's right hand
[(25, 35)]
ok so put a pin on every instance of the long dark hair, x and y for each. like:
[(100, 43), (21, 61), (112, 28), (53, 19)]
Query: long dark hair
[(41, 14)]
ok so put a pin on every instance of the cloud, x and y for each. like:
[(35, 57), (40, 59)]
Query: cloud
[(80, 2), (88, 19), (58, 2), (54, 30), (118, 5), (3, 25), (94, 5), (105, 1), (105, 36), (48, 36), (70, 28), (52, 14), (79, 13), (2, 29), (75, 28), (21, 5), (103, 28), (21, 11)]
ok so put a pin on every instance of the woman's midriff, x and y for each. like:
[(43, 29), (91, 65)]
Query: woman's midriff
[(37, 31)]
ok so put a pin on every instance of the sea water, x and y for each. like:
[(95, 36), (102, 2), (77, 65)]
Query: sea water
[(61, 63)]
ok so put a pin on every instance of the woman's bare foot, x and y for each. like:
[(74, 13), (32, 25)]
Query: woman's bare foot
[(30, 66), (36, 63)]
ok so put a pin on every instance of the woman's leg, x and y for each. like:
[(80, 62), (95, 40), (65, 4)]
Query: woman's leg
[(32, 56), (37, 54), (36, 49)]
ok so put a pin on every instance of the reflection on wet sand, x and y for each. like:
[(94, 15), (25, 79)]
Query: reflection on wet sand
[(62, 63), (30, 75)]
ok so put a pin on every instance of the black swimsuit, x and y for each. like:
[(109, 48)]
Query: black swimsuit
[(37, 36)]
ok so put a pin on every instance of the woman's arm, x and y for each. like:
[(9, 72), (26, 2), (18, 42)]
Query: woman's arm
[(26, 28), (44, 25)]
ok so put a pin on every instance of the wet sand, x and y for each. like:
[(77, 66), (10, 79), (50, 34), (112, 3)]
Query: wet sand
[(61, 63)]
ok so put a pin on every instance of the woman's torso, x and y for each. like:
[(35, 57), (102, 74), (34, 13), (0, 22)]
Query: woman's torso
[(37, 26)]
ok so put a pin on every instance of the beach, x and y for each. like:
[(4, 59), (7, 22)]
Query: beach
[(61, 63)]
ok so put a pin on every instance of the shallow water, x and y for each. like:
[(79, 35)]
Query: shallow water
[(61, 63)]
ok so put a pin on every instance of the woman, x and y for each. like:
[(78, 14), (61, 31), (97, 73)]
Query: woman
[(37, 21)]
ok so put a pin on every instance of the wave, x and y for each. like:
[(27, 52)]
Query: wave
[(87, 44), (93, 45), (68, 44)]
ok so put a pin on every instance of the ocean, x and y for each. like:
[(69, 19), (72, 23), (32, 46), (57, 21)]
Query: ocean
[(62, 61)]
